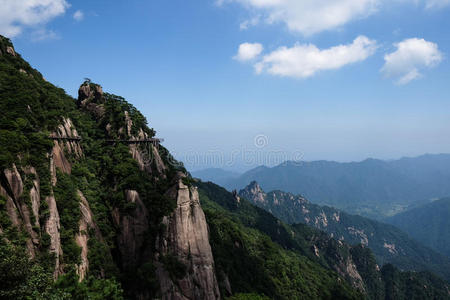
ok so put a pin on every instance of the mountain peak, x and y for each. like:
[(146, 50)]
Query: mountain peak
[(89, 91), (253, 192)]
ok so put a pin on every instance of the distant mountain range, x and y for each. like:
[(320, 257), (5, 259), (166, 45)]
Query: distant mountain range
[(429, 224), (389, 244), (373, 188)]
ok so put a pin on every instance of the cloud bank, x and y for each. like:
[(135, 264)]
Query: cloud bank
[(305, 60)]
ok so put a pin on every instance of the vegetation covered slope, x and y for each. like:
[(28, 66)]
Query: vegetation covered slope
[(429, 224), (97, 170), (372, 188), (388, 243), (247, 224)]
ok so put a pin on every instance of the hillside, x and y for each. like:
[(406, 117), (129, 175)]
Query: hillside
[(389, 244), (356, 264), (92, 207), (429, 224), (372, 188)]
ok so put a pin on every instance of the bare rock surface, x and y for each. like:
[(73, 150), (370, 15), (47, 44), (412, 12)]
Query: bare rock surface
[(10, 50), (186, 238), (52, 227), (82, 237)]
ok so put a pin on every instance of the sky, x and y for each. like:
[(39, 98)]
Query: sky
[(240, 83)]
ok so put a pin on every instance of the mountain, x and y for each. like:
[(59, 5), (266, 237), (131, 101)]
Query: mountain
[(236, 227), (389, 244), (429, 224), (92, 206), (90, 198), (216, 175), (372, 188)]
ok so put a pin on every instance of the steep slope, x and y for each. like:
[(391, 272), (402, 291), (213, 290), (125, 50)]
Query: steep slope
[(429, 224), (389, 244), (373, 188), (91, 196), (236, 227)]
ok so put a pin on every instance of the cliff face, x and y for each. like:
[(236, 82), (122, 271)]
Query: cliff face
[(16, 205), (186, 238)]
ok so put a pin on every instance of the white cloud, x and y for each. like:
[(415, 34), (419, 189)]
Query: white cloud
[(305, 60), (411, 57), (78, 15), (17, 14), (437, 3), (248, 51), (310, 16)]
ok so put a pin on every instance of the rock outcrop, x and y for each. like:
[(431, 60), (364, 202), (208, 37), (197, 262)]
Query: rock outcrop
[(186, 238), (82, 237), (62, 142), (254, 193), (10, 50), (52, 228), (90, 97), (19, 212)]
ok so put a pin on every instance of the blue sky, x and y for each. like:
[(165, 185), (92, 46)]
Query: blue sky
[(325, 95)]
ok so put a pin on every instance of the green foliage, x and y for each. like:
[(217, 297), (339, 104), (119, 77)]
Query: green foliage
[(21, 278), (237, 228), (31, 108), (101, 263), (115, 108), (428, 223), (69, 213), (412, 285), (90, 288), (251, 296), (147, 279), (253, 262), (410, 255), (177, 270)]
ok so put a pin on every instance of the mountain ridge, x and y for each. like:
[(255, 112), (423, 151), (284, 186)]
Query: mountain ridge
[(372, 188), (389, 244)]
